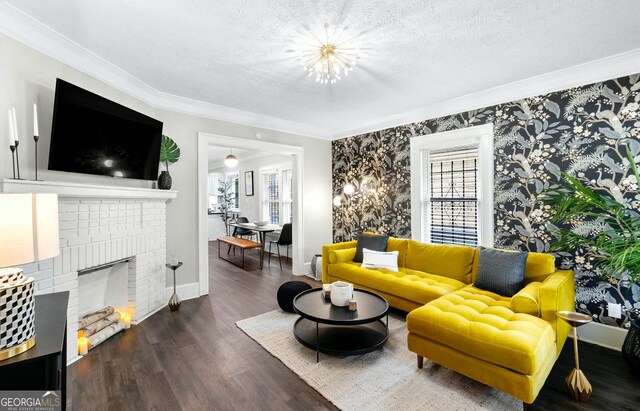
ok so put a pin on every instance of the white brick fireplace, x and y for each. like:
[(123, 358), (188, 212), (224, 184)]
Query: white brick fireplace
[(100, 225)]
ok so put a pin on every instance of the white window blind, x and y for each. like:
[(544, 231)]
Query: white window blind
[(450, 195), (287, 196)]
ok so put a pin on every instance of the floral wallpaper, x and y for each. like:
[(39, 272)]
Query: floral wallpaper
[(583, 131)]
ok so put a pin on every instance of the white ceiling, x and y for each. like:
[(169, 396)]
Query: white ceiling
[(413, 53)]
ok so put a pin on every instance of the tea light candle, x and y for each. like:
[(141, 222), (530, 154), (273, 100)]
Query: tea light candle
[(326, 291), (83, 346), (353, 304)]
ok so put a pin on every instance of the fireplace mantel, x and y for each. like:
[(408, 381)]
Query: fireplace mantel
[(75, 190)]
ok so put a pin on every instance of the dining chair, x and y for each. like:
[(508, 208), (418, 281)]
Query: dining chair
[(286, 239), (243, 232)]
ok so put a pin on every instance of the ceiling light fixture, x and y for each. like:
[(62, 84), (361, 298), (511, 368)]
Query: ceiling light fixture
[(329, 57), (231, 160)]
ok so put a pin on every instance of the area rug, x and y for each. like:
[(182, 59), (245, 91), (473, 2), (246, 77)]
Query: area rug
[(386, 379)]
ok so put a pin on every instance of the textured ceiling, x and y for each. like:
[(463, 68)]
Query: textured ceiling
[(236, 53)]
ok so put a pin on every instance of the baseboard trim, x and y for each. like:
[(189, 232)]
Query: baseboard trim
[(185, 291), (602, 335), (74, 359)]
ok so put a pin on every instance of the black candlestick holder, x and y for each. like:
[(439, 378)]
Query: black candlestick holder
[(13, 160), (17, 160), (36, 138)]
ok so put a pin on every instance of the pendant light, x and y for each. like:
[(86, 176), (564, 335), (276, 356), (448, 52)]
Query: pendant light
[(231, 160)]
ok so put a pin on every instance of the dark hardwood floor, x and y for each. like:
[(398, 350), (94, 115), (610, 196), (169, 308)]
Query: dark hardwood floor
[(197, 359)]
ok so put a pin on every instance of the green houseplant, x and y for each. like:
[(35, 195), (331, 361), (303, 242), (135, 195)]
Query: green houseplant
[(169, 154), (227, 202), (614, 248)]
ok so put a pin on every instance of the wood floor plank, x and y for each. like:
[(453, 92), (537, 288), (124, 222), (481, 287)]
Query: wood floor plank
[(197, 359)]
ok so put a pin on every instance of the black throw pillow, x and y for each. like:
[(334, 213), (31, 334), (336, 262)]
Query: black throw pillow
[(501, 272), (370, 242)]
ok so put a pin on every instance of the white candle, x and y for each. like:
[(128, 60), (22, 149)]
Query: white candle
[(127, 321), (11, 140), (83, 345), (35, 120), (15, 125)]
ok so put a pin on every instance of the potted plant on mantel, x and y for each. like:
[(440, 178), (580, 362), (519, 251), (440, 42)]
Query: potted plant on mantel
[(615, 249), (169, 154)]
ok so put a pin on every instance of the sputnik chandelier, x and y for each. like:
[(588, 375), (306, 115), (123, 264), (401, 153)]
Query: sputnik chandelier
[(329, 57)]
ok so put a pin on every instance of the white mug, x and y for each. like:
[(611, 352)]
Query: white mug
[(341, 293)]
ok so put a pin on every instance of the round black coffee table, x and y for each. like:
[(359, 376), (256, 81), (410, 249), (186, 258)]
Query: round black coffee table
[(343, 332)]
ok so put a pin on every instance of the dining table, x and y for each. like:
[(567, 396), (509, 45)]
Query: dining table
[(262, 231)]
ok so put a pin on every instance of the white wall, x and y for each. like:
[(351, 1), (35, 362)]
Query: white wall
[(29, 76)]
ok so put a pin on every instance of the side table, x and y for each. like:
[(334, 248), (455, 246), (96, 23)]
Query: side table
[(174, 301), (577, 383), (43, 367)]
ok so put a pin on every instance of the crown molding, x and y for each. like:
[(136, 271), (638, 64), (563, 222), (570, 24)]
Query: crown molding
[(607, 68), (25, 29)]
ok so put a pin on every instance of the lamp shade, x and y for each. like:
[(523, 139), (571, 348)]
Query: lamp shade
[(231, 161), (28, 228)]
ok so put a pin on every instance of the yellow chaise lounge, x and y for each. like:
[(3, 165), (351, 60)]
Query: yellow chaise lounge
[(509, 343)]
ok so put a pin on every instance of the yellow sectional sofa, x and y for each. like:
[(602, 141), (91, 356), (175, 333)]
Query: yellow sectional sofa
[(509, 343)]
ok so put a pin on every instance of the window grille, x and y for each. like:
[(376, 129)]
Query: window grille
[(450, 205), (271, 197)]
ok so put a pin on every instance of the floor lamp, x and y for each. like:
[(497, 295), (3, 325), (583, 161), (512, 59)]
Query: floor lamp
[(28, 233)]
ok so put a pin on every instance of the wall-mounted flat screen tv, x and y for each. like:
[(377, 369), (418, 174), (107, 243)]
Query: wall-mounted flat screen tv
[(94, 135)]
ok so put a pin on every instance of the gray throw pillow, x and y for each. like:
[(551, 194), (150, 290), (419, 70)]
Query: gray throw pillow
[(370, 242), (501, 272)]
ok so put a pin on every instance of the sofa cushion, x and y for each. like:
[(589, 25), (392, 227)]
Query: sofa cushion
[(538, 266), (500, 272), (453, 261), (380, 259), (370, 242), (400, 245), (409, 284), (482, 325), (342, 256), (526, 301)]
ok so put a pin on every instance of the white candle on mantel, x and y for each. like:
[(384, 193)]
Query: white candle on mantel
[(15, 124), (11, 140), (35, 120)]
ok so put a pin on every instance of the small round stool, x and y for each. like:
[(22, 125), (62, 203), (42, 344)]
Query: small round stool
[(288, 291)]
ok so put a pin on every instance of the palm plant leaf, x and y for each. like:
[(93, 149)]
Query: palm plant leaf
[(169, 150), (616, 249)]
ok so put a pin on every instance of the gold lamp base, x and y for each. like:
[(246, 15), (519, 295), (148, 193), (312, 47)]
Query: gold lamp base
[(578, 385), (17, 349)]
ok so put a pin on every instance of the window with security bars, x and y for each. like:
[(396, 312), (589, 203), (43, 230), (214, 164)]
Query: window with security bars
[(450, 202), (277, 195), (271, 197)]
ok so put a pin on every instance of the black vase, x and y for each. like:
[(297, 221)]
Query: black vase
[(164, 181), (631, 347)]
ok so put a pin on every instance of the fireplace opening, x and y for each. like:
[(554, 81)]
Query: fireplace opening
[(103, 303)]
